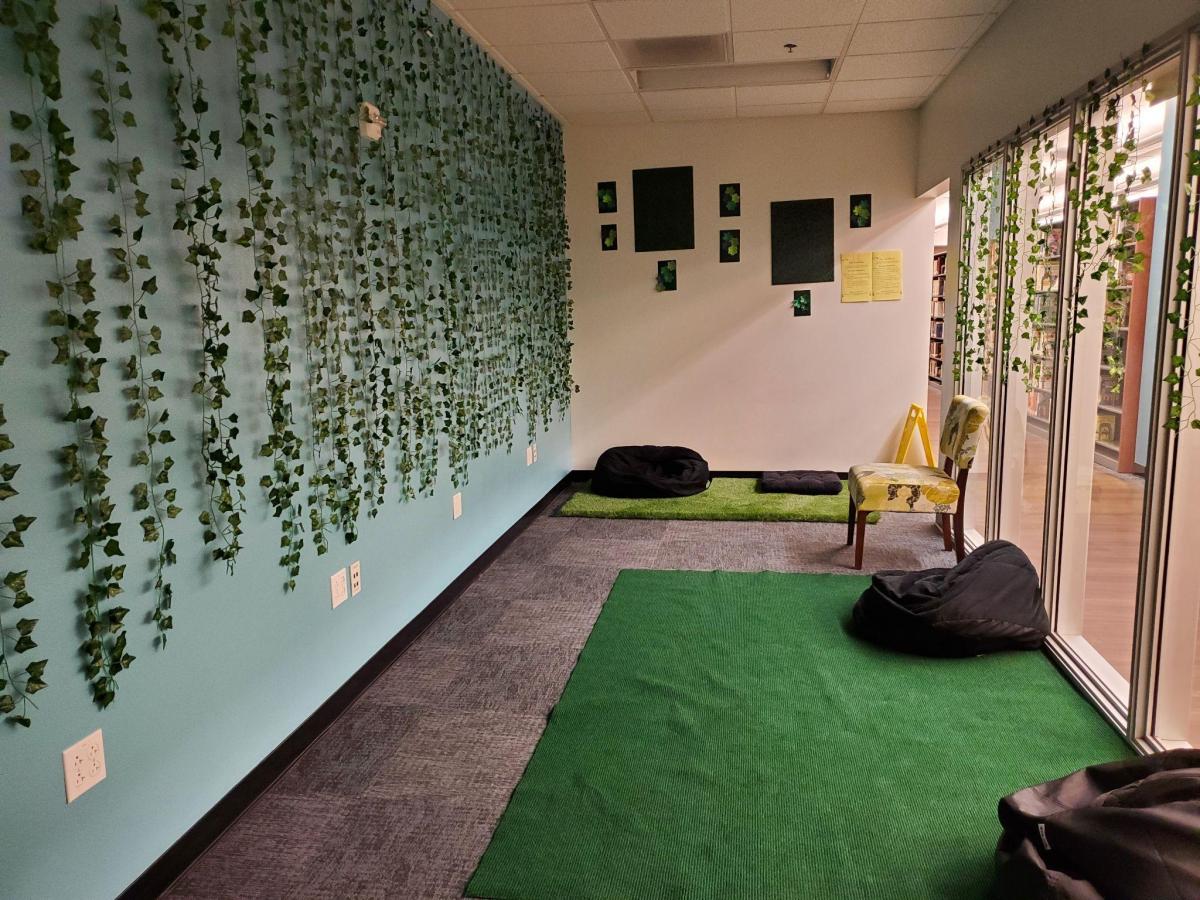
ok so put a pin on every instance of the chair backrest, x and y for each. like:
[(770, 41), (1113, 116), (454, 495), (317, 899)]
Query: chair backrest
[(962, 430)]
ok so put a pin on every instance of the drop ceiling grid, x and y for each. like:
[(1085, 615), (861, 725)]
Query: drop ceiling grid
[(904, 65)]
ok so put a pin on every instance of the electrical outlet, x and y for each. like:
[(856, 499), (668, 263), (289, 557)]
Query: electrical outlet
[(337, 587), (457, 505), (355, 578), (83, 765), (529, 455), (534, 452)]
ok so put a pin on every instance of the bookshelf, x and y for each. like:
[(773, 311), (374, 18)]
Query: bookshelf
[(1118, 405), (937, 316)]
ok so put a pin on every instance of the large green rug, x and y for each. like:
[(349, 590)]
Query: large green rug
[(727, 499), (724, 737)]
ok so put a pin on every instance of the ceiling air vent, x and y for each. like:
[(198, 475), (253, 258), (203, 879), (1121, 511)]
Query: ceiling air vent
[(697, 50)]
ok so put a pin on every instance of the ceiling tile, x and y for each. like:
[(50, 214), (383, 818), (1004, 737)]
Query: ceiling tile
[(532, 59), (893, 10), (693, 115), (554, 24), (782, 93), (880, 89), (811, 43), (570, 104), (609, 118), (895, 65), (763, 15), (610, 82), (852, 106), (780, 109), (922, 34), (626, 19), (692, 98)]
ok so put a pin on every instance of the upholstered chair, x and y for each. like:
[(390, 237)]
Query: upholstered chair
[(895, 487)]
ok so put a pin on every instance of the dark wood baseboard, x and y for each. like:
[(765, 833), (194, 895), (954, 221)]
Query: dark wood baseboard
[(180, 855)]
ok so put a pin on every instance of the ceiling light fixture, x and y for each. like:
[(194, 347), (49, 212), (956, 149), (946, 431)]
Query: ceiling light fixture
[(806, 71)]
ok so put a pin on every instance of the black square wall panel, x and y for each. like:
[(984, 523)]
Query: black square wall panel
[(663, 209), (801, 241)]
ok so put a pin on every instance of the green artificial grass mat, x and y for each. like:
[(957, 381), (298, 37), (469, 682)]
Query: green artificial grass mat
[(723, 736), (726, 500)]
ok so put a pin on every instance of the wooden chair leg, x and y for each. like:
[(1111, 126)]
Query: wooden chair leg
[(959, 545), (947, 538), (860, 537), (850, 524)]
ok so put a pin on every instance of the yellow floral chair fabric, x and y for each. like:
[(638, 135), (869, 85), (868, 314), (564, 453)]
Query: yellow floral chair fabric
[(891, 487), (962, 430)]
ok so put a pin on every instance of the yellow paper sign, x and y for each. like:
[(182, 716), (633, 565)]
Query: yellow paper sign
[(872, 275), (887, 275), (856, 277)]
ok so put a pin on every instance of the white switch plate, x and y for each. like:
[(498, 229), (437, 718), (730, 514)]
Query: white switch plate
[(535, 452), (337, 587), (457, 505), (529, 455), (355, 578), (83, 765)]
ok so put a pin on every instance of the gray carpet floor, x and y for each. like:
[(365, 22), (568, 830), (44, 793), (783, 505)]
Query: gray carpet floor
[(399, 797)]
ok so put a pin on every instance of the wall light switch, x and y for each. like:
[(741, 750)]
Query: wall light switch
[(337, 587), (529, 455), (355, 578), (457, 505), (535, 452), (83, 765)]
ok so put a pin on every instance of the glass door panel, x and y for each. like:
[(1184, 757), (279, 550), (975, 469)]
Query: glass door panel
[(975, 347), (1116, 297), (1035, 198)]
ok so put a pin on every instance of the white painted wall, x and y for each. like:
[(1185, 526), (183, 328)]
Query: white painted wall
[(721, 365), (1036, 52)]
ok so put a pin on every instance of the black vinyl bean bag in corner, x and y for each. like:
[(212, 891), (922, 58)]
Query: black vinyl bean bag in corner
[(650, 472), (1127, 830), (991, 601)]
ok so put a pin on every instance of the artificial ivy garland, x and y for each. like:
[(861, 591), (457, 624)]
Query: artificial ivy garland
[(181, 32), (1183, 378), (429, 274), (18, 683), (53, 215), (262, 211), (153, 496)]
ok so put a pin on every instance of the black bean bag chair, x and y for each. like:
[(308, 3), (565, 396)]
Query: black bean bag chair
[(1125, 830), (650, 472), (990, 601)]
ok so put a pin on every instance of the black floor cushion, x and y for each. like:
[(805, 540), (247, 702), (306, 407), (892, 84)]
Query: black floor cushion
[(650, 471), (801, 481), (990, 601)]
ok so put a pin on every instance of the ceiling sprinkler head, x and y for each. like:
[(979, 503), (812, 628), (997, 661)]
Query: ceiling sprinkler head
[(789, 47)]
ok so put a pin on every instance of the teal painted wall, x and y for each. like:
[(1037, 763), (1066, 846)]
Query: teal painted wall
[(246, 662)]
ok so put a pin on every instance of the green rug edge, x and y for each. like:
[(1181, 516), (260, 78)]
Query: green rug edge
[(726, 500), (1109, 736)]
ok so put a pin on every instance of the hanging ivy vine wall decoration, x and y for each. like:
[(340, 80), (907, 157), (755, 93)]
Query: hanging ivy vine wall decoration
[(261, 212), (1183, 378), (979, 257), (54, 218), (153, 496), (198, 209), (406, 298), (20, 677)]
